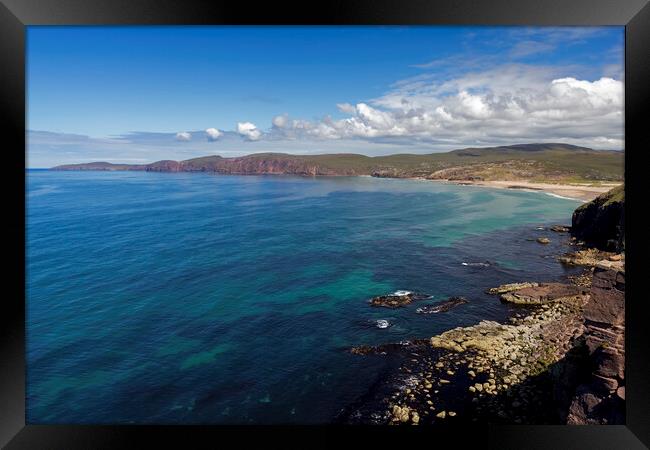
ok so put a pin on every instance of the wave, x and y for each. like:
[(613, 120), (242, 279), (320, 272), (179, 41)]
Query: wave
[(476, 264), (563, 197), (48, 189), (382, 323), (402, 293)]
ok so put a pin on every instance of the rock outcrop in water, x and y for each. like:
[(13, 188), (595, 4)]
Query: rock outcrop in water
[(442, 306), (601, 222), (397, 299)]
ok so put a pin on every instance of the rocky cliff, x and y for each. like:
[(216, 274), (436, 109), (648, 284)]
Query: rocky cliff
[(601, 222), (600, 395)]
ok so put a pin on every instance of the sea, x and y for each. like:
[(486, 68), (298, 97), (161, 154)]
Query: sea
[(194, 298)]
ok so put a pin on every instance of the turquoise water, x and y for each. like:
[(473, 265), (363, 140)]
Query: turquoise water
[(196, 298)]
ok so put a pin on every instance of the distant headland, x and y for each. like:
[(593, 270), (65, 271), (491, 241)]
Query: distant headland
[(561, 169)]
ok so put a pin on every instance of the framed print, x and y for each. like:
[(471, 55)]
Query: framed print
[(379, 219)]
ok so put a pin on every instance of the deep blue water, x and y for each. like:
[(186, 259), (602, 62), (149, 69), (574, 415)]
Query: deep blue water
[(195, 298)]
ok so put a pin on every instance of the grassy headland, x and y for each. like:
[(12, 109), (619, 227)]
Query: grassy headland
[(554, 164)]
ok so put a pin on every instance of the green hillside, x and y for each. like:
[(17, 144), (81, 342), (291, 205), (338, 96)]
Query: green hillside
[(555, 163)]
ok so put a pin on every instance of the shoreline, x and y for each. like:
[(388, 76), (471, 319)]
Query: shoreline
[(579, 192), (570, 191), (538, 367)]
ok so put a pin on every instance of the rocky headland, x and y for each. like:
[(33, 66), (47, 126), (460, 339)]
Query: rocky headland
[(566, 170), (601, 223), (559, 360)]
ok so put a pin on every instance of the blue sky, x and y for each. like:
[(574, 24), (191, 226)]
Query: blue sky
[(137, 94)]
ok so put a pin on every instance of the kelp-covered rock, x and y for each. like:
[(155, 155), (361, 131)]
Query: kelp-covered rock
[(396, 299), (442, 306), (601, 222)]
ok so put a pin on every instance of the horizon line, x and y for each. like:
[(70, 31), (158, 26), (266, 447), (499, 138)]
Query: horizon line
[(334, 154)]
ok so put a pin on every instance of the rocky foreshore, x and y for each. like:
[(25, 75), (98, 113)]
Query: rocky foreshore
[(481, 372), (559, 359), (535, 369)]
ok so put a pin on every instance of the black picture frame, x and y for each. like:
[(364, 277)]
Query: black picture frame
[(16, 14)]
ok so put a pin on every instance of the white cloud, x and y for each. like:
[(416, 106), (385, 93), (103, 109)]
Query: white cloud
[(527, 48), (280, 121), (213, 134), (469, 106), (375, 118), (346, 108), (249, 131), (183, 136), (47, 149), (509, 104)]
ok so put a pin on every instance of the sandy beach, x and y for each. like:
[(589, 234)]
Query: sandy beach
[(582, 192)]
